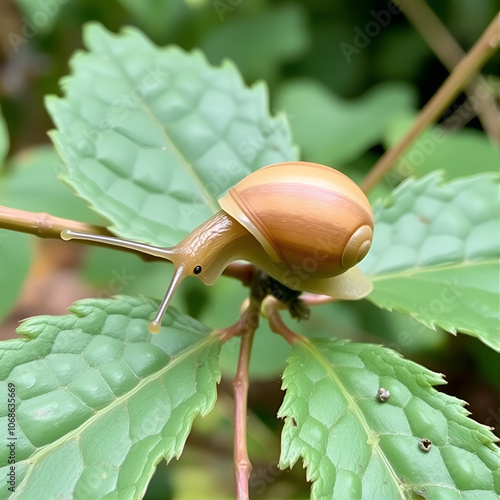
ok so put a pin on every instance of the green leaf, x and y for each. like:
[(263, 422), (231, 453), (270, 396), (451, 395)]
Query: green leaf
[(40, 17), (398, 331), (159, 18), (265, 41), (32, 185), (401, 55), (456, 153), (348, 127), (15, 257), (435, 254), (355, 446), (152, 137), (100, 401)]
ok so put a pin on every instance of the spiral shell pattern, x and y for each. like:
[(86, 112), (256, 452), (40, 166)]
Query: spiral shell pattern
[(309, 216), (357, 247)]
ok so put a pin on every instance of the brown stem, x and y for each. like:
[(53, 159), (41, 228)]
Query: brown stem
[(241, 272), (242, 465), (42, 224), (238, 328), (270, 308), (482, 50), (449, 52), (45, 225), (245, 328)]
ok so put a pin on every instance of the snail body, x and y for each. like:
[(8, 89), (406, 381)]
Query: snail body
[(305, 224)]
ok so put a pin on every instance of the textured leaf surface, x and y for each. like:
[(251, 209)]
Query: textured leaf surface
[(356, 447), (15, 256), (435, 254), (100, 401), (330, 129), (153, 137)]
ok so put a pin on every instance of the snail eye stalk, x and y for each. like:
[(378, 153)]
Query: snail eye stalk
[(155, 324)]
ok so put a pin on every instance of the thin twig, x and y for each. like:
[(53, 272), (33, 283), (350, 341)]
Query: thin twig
[(482, 50), (240, 271), (245, 328), (242, 467), (45, 225), (42, 224), (449, 52), (270, 309)]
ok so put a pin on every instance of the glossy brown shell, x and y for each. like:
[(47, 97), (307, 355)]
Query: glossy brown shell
[(309, 216)]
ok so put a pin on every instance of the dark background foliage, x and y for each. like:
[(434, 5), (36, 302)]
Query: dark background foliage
[(343, 48)]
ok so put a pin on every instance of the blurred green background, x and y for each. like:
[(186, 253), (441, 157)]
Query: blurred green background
[(350, 77)]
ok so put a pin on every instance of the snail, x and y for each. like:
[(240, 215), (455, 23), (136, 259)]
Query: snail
[(305, 224)]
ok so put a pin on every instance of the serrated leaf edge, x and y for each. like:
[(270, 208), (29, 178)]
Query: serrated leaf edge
[(425, 378), (45, 450), (432, 324), (436, 180), (259, 89), (372, 438)]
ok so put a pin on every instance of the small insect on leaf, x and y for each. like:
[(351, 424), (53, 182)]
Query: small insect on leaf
[(425, 445), (383, 395)]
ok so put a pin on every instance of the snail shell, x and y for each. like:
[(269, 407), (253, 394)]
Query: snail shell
[(299, 210)]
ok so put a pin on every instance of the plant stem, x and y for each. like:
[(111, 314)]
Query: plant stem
[(482, 50), (241, 272), (449, 52), (245, 328), (42, 224), (242, 465), (270, 307), (45, 225)]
